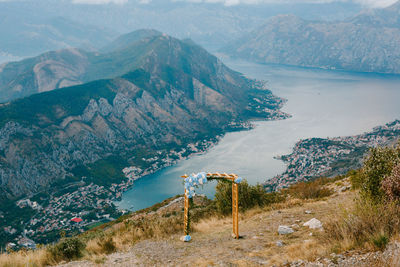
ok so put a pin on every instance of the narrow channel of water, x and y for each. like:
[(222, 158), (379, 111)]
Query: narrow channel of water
[(323, 103)]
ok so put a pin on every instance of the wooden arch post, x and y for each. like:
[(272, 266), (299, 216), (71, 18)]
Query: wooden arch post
[(235, 202)]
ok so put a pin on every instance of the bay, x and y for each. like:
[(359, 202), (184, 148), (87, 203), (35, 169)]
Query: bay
[(323, 103)]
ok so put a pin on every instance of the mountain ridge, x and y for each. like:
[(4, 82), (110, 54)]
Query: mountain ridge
[(354, 44), (58, 69)]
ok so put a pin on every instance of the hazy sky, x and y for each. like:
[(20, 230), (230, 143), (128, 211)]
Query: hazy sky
[(369, 3)]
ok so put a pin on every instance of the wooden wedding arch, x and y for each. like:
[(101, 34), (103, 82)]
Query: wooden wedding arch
[(235, 179)]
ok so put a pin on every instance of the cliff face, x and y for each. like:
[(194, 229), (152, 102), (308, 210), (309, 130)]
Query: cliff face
[(364, 43), (165, 94)]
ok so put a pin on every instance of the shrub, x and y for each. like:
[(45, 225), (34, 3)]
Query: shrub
[(368, 224), (380, 241), (67, 249), (310, 190), (356, 179), (107, 245), (391, 185), (249, 196), (378, 165)]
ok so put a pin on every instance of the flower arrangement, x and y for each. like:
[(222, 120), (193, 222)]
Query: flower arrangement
[(193, 181)]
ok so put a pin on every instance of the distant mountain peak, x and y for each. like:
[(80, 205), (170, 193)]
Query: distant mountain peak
[(128, 39), (368, 42), (395, 6)]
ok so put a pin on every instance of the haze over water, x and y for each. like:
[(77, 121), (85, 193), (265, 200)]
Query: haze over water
[(323, 103)]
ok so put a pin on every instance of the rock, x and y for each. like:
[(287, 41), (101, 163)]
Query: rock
[(279, 243), (344, 188), (308, 212), (313, 224), (284, 230)]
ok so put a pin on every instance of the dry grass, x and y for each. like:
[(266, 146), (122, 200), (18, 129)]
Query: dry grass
[(369, 226), (208, 225), (127, 233), (310, 190), (40, 257), (307, 249)]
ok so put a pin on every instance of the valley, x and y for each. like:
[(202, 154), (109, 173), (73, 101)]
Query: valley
[(97, 127), (65, 149), (322, 104)]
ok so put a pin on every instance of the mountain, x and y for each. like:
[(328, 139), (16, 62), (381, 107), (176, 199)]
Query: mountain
[(386, 17), (24, 35), (29, 25), (57, 69), (364, 43), (128, 39), (43, 73), (152, 97)]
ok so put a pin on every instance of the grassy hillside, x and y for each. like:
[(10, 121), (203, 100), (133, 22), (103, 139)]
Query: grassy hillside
[(138, 234)]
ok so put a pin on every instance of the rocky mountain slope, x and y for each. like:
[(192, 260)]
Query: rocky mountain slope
[(367, 42), (146, 49), (156, 95), (46, 72), (57, 69)]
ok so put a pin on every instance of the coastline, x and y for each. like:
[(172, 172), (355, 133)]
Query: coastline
[(135, 175), (317, 157)]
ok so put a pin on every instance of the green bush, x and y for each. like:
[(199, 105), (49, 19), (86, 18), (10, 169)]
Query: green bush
[(67, 249), (378, 165), (356, 179), (249, 196), (380, 241)]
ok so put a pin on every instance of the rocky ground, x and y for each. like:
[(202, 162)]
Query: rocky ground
[(260, 243)]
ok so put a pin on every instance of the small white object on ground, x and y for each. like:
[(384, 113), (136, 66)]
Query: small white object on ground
[(185, 238)]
